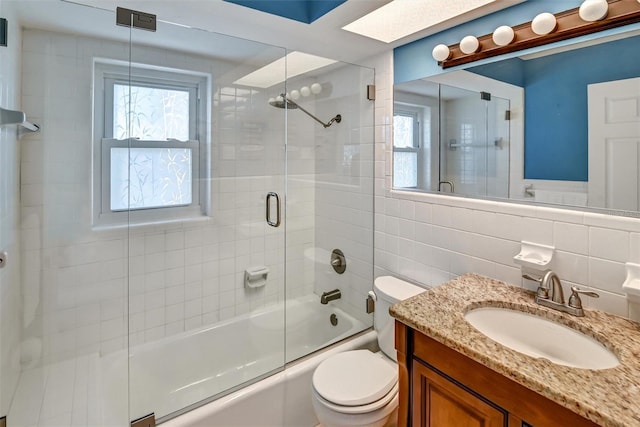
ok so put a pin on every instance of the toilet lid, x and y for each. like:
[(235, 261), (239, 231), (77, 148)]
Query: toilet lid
[(354, 378)]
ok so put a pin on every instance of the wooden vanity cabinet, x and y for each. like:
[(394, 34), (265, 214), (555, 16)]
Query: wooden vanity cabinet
[(440, 387)]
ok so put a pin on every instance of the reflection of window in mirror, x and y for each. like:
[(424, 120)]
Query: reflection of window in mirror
[(411, 134), (467, 158)]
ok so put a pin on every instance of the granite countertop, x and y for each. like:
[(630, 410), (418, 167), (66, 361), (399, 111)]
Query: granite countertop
[(609, 397)]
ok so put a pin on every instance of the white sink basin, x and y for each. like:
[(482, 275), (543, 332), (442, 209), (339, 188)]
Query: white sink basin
[(541, 338)]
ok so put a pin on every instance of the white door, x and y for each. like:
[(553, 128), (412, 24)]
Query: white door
[(614, 144)]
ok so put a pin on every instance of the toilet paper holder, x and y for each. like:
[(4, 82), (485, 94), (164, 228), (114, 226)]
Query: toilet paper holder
[(256, 277)]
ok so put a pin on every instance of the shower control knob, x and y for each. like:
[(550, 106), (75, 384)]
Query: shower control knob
[(338, 261)]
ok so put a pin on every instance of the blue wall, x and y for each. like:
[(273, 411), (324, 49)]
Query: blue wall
[(556, 125), (305, 11), (556, 150)]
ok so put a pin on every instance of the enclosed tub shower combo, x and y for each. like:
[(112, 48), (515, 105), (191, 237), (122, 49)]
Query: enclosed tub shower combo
[(167, 236)]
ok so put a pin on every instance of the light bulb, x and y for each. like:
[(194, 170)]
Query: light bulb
[(469, 44), (279, 99), (316, 88), (442, 52), (295, 95), (593, 10), (305, 91), (544, 24), (503, 35), (272, 100)]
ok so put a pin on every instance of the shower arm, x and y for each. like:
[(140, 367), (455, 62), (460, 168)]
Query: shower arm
[(337, 118)]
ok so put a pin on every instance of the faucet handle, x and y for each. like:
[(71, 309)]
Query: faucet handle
[(541, 292), (574, 299)]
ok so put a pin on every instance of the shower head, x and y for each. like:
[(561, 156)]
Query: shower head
[(279, 102), (282, 101)]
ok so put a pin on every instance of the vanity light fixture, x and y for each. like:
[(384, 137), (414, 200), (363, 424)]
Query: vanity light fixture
[(593, 16), (503, 35), (469, 44), (316, 88), (544, 24), (593, 10), (305, 91), (442, 52)]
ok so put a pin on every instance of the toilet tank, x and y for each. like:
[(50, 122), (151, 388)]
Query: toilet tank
[(389, 290)]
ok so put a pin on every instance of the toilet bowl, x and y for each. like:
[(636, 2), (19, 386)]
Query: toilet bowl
[(360, 387)]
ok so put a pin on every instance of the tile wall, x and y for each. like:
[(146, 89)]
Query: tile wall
[(431, 238), (344, 184), (10, 300)]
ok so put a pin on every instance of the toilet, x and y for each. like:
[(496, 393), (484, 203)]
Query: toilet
[(359, 387)]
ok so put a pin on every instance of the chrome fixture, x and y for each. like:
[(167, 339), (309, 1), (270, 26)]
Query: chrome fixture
[(3, 259), (338, 261), (13, 117), (370, 305), (283, 101), (330, 296), (446, 182), (549, 294), (333, 319), (136, 19), (272, 223)]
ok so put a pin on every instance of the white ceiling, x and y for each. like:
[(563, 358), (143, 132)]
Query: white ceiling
[(324, 37)]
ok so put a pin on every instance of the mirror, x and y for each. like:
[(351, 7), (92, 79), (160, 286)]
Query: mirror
[(560, 127)]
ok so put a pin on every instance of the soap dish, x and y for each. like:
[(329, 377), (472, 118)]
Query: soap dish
[(534, 256), (631, 285)]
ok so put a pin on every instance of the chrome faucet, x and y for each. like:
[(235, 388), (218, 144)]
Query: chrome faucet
[(550, 294), (330, 296)]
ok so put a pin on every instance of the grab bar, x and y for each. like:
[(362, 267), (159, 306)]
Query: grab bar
[(268, 209)]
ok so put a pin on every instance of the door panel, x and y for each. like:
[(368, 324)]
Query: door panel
[(614, 144)]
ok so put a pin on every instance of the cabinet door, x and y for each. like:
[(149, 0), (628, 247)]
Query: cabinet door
[(439, 402)]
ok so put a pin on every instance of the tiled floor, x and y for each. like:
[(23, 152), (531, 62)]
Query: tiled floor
[(66, 393)]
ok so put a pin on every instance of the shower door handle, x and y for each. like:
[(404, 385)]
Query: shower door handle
[(268, 210)]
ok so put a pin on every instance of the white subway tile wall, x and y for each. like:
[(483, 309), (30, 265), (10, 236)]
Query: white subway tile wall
[(454, 236)]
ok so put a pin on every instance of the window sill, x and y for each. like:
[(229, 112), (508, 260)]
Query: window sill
[(138, 225)]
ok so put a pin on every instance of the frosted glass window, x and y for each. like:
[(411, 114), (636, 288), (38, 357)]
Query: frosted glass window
[(156, 113), (150, 161), (404, 131), (143, 178), (406, 144), (405, 169)]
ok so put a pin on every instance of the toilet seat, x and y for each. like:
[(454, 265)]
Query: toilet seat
[(355, 379), (363, 409)]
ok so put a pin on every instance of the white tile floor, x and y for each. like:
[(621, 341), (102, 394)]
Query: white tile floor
[(66, 393)]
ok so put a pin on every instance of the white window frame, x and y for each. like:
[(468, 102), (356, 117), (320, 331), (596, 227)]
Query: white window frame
[(107, 73)]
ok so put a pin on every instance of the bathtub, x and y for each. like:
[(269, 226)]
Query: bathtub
[(173, 373)]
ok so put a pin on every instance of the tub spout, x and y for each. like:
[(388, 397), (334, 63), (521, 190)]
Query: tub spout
[(330, 296)]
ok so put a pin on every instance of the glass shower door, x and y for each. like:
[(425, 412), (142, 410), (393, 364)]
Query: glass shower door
[(474, 143), (329, 207), (64, 294), (200, 176)]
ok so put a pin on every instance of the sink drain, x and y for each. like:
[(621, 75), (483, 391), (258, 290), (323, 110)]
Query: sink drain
[(333, 319)]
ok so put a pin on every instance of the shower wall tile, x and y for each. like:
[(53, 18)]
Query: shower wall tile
[(467, 235)]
